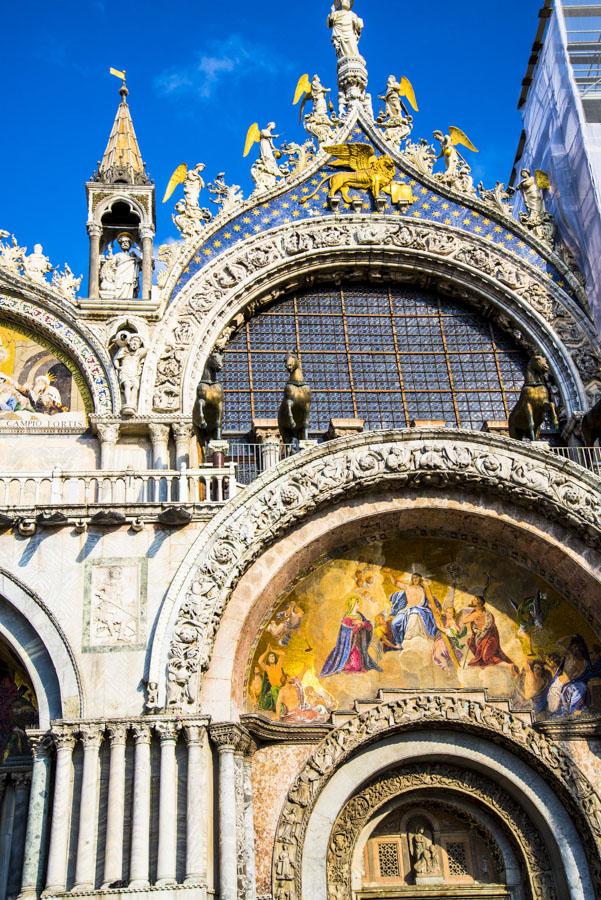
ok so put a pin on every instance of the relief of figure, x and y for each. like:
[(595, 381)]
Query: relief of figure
[(423, 851), (351, 653), (37, 266), (347, 28), (128, 361)]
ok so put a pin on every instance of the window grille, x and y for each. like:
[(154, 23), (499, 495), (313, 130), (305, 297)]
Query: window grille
[(457, 859), (388, 859), (383, 354)]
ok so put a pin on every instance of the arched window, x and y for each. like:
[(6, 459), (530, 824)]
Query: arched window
[(385, 354)]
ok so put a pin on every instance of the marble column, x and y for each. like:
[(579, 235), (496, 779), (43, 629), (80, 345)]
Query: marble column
[(113, 853), (196, 807), (230, 740), (147, 235), (91, 738), (182, 435), (166, 861), (108, 433), (7, 815), (37, 816), (56, 874), (22, 785), (159, 436), (249, 825), (140, 837), (94, 231), (270, 452)]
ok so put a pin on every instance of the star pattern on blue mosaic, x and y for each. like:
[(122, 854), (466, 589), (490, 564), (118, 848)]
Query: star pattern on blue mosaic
[(293, 205)]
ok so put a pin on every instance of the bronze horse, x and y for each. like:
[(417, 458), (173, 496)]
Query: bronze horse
[(207, 416), (527, 416), (591, 425), (293, 416)]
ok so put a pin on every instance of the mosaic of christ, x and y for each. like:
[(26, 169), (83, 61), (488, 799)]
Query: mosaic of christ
[(422, 614)]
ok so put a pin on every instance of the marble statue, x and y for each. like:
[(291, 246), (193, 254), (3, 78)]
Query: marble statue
[(346, 29), (226, 196), (396, 120), (318, 122), (423, 852), (457, 171), (189, 217), (127, 269), (536, 218), (128, 361), (266, 171), (66, 283), (36, 265)]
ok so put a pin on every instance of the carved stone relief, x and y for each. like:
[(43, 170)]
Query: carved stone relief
[(115, 604), (227, 288), (354, 817), (575, 791)]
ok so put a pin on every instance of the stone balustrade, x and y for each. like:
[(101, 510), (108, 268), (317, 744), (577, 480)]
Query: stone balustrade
[(69, 491)]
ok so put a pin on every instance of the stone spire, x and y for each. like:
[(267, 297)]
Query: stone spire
[(122, 162), (347, 28)]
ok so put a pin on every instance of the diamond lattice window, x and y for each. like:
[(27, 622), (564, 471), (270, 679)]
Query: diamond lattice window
[(383, 354)]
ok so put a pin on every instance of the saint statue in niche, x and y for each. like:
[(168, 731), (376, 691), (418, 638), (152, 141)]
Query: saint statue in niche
[(351, 653)]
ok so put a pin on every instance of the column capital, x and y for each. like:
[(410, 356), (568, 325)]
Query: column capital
[(141, 732), (195, 734), (63, 738), (91, 735), (108, 432), (117, 732), (147, 231), (40, 742), (230, 736), (182, 430), (167, 731), (94, 230), (158, 432)]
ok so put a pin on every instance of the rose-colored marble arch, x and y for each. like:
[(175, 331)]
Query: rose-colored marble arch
[(524, 537)]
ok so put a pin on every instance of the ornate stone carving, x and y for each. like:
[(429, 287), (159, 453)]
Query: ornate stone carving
[(115, 603), (66, 283), (222, 289), (548, 758), (364, 805), (129, 354), (526, 476), (229, 736)]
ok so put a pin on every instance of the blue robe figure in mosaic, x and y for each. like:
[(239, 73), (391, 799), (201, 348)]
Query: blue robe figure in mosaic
[(401, 612)]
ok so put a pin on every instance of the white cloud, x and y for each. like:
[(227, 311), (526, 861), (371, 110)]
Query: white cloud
[(228, 59)]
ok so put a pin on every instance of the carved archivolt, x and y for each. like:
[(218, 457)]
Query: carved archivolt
[(395, 460), (439, 711), (255, 272), (357, 813), (75, 339)]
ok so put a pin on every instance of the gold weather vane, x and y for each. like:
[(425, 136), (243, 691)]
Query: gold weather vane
[(118, 73)]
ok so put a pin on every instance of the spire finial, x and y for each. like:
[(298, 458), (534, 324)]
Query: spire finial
[(118, 73), (122, 161)]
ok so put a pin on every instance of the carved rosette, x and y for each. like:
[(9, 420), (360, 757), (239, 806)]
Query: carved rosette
[(233, 287), (364, 805), (575, 791), (399, 460)]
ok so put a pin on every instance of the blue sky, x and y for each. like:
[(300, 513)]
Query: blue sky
[(200, 73)]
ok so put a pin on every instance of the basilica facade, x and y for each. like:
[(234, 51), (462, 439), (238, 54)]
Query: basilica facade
[(300, 520)]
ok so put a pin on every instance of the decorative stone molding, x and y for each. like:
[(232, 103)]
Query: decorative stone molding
[(366, 803), (251, 274), (435, 711), (395, 460), (229, 736), (52, 320)]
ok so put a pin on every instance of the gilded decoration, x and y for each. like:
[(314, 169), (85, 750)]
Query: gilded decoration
[(421, 615), (437, 711), (438, 781)]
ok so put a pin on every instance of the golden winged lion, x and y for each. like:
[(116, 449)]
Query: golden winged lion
[(368, 171)]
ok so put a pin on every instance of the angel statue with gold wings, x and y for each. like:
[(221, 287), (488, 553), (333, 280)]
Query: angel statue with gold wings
[(536, 218), (318, 122), (397, 119), (368, 173), (457, 169), (266, 170), (190, 216)]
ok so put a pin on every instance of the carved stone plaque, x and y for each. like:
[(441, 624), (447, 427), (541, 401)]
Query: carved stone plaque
[(115, 605)]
